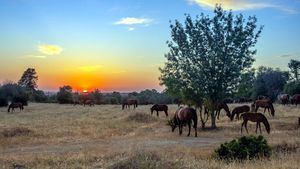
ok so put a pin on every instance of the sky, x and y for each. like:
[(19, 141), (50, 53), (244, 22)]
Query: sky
[(118, 45)]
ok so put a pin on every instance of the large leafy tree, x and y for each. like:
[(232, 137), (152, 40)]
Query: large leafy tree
[(294, 65), (29, 79), (207, 55)]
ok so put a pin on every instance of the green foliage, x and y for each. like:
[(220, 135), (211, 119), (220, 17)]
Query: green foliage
[(292, 88), (64, 96), (3, 100), (96, 96), (246, 147), (40, 96), (207, 55), (294, 65), (245, 85), (269, 82)]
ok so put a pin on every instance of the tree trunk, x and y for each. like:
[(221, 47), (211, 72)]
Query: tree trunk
[(213, 119)]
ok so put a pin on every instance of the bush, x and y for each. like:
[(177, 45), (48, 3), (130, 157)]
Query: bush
[(292, 88), (246, 147), (65, 96)]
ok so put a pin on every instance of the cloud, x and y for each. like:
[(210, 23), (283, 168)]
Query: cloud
[(131, 29), (35, 56), (286, 55), (50, 49), (241, 5), (133, 21), (90, 68)]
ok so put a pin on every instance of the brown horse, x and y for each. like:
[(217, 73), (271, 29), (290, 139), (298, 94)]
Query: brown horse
[(295, 99), (284, 98), (221, 106), (127, 103), (89, 103), (15, 105), (266, 104), (239, 110), (182, 117), (159, 107), (255, 117)]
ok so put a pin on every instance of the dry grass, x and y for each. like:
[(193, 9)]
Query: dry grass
[(66, 136)]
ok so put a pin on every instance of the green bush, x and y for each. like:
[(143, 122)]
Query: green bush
[(246, 147), (3, 101), (292, 88)]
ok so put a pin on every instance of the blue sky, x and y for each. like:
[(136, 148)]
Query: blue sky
[(111, 39)]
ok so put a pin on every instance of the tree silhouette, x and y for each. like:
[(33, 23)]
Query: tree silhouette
[(294, 65), (29, 79)]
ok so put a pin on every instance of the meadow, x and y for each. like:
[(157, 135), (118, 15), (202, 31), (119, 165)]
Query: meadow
[(104, 136)]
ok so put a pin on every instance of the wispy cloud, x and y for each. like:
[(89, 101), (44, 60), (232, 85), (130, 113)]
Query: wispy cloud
[(131, 29), (242, 5), (133, 21), (35, 56), (90, 68), (50, 49)]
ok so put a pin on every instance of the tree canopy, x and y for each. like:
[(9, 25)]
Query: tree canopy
[(208, 54), (29, 79)]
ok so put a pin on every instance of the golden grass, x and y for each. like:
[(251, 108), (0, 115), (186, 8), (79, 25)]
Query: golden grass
[(104, 136)]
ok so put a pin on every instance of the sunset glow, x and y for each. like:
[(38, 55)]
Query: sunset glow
[(119, 46)]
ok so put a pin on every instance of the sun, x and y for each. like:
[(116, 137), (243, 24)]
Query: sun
[(84, 91)]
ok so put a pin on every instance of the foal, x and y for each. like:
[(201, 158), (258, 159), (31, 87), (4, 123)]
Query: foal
[(255, 117), (15, 105)]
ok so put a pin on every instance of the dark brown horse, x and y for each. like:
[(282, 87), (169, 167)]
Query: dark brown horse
[(12, 106), (284, 98), (89, 103), (239, 110), (182, 117), (159, 107), (255, 117), (295, 99), (221, 106), (266, 104), (127, 103)]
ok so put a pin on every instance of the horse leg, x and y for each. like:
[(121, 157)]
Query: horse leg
[(256, 108), (180, 129), (242, 127), (166, 112), (189, 124), (246, 127), (157, 113), (256, 127), (218, 113)]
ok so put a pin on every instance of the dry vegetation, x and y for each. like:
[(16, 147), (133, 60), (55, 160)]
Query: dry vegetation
[(104, 136)]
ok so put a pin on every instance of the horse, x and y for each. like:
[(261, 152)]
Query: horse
[(266, 104), (295, 99), (89, 103), (183, 116), (127, 103), (221, 106), (76, 102), (159, 107), (262, 97), (15, 105), (255, 117), (284, 98), (239, 110)]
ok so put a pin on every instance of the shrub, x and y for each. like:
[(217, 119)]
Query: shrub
[(3, 101), (246, 147)]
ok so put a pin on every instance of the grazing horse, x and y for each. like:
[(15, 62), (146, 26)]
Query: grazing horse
[(295, 99), (255, 117), (284, 98), (262, 97), (266, 104), (221, 106), (15, 105), (239, 110), (184, 116), (89, 103), (159, 107), (127, 103)]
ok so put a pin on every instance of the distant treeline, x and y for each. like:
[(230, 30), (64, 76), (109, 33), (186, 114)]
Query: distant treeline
[(264, 81)]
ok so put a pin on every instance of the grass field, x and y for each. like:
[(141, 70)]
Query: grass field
[(104, 136)]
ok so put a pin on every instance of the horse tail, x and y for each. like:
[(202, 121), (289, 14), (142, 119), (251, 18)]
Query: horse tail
[(266, 123), (195, 118), (272, 109)]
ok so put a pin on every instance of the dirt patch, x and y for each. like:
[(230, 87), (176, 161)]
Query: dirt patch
[(141, 118), (17, 131)]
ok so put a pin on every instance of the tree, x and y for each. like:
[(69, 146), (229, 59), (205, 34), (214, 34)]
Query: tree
[(292, 88), (245, 86), (96, 95), (14, 93), (269, 82), (29, 79), (65, 95), (294, 65), (207, 55)]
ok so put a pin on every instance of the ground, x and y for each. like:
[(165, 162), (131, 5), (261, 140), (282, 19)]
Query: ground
[(104, 136)]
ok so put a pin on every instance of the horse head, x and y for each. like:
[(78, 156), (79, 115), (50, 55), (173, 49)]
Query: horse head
[(172, 124)]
